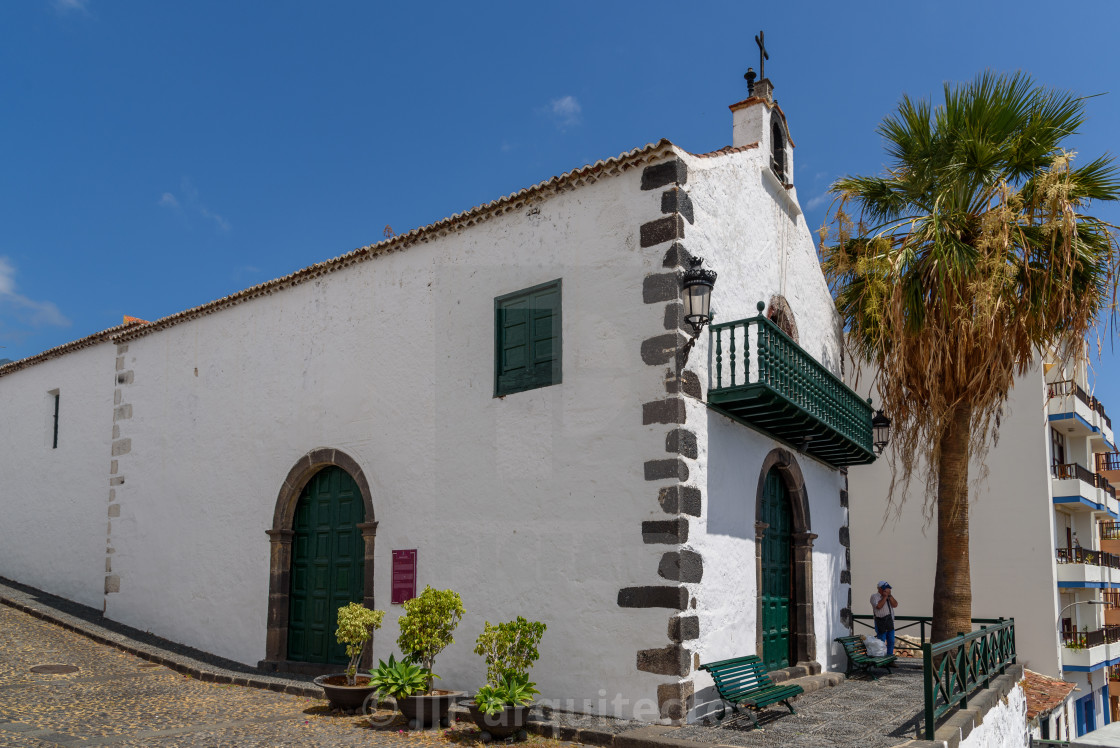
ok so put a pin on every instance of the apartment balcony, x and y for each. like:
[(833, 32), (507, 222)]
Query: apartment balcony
[(1081, 567), (1078, 488), (1076, 412), (760, 376), (1086, 650)]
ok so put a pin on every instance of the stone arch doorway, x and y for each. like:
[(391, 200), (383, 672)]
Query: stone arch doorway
[(310, 479), (784, 631)]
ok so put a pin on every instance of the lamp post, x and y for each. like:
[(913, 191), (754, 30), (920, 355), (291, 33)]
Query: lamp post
[(881, 430), (1063, 610), (696, 296)]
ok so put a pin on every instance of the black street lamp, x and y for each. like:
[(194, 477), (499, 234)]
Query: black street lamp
[(696, 293), (881, 428)]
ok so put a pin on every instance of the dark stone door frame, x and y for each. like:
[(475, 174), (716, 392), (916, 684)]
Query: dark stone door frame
[(280, 560), (804, 638)]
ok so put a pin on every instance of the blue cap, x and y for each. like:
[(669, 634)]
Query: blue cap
[(884, 584)]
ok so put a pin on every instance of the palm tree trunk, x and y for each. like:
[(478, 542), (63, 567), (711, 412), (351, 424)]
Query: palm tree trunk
[(952, 586)]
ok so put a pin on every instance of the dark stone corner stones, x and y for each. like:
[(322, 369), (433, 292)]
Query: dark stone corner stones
[(675, 598), (662, 349), (677, 256), (670, 410), (662, 230), (682, 442), (671, 660), (681, 566), (665, 532), (675, 699), (676, 200), (684, 628), (668, 172), (659, 287), (674, 469), (680, 500), (688, 383)]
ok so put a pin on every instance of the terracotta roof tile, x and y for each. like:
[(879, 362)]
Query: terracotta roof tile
[(1044, 694), (726, 150), (74, 345)]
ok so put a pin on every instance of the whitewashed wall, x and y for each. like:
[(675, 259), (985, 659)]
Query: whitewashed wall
[(1004, 725), (55, 501), (527, 505), (753, 234), (1011, 528)]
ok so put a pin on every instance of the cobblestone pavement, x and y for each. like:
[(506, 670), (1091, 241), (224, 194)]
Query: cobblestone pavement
[(117, 699), (860, 712)]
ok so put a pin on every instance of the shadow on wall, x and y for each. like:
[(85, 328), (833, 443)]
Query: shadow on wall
[(732, 481)]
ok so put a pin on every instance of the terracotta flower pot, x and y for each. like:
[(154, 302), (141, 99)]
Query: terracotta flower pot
[(426, 710), (342, 696), (504, 724)]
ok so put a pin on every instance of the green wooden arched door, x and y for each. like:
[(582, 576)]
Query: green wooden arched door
[(327, 558), (777, 573)]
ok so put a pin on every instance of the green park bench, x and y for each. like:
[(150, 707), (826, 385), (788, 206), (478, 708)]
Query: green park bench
[(858, 658), (743, 681)]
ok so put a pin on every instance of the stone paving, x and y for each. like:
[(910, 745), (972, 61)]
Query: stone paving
[(117, 699)]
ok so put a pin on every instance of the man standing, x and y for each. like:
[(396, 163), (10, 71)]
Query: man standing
[(883, 605)]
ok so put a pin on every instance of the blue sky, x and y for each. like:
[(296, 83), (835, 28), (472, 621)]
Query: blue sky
[(160, 155)]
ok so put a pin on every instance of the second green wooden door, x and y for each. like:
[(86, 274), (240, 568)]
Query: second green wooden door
[(327, 559), (777, 573)]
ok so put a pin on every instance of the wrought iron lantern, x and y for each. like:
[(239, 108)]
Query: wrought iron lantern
[(881, 428), (696, 293)]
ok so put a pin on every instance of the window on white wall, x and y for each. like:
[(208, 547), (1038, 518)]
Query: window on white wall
[(54, 396)]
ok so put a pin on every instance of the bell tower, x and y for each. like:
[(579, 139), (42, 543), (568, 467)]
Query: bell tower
[(759, 119)]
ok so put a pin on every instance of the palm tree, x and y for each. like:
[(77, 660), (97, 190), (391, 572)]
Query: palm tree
[(956, 268)]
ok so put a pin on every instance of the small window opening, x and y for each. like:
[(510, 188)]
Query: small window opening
[(778, 153), (54, 436)]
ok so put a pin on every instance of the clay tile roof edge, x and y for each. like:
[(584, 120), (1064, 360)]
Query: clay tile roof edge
[(61, 350)]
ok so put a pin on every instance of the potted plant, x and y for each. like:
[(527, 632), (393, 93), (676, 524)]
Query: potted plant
[(501, 707), (356, 624), (426, 630)]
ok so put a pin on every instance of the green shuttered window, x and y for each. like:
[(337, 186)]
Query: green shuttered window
[(527, 339)]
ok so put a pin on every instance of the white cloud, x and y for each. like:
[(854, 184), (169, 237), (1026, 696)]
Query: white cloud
[(565, 111), (191, 203), (28, 311), (71, 6), (819, 200)]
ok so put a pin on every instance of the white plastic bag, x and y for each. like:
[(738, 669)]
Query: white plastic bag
[(875, 647)]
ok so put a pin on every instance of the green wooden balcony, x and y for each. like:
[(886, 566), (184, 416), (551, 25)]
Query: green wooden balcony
[(758, 375)]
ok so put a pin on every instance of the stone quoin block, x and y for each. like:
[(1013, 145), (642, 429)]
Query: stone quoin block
[(673, 531), (122, 412), (673, 469), (677, 200), (114, 510), (845, 577), (681, 566), (675, 598), (122, 447), (843, 498), (120, 363), (677, 256), (675, 699), (659, 287), (674, 316), (845, 538), (669, 172), (690, 384), (671, 660), (681, 442), (846, 617), (112, 584), (661, 349), (124, 377), (680, 500), (662, 230), (684, 628), (670, 410)]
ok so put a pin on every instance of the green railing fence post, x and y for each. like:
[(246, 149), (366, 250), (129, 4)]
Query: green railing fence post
[(928, 687)]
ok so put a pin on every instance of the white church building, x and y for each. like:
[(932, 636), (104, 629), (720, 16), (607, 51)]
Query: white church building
[(505, 403)]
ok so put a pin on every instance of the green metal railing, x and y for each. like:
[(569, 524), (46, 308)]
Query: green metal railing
[(794, 396), (952, 670)]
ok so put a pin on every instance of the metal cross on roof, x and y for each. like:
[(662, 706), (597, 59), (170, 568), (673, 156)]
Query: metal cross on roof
[(763, 56)]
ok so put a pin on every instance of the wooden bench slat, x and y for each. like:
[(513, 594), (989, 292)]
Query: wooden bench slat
[(744, 681)]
